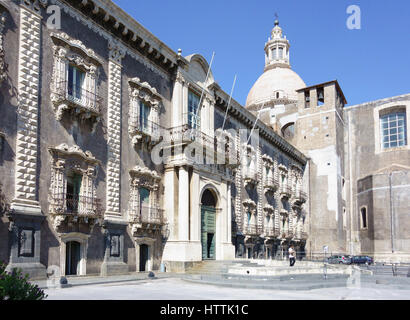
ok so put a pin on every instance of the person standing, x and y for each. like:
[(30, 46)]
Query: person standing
[(292, 255)]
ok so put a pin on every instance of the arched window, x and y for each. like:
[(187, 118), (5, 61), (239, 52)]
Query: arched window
[(393, 129), (288, 131)]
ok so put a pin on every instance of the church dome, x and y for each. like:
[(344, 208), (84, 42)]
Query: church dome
[(278, 84), (274, 84)]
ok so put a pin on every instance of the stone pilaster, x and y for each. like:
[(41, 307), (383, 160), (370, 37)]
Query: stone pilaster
[(114, 130), (238, 184), (27, 112), (26, 216), (183, 205), (260, 188)]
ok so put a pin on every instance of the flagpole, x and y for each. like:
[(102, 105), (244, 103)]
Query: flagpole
[(229, 102)]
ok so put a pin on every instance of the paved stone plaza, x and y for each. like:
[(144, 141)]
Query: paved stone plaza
[(177, 289)]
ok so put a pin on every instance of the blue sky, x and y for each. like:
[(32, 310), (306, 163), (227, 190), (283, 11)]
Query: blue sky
[(370, 64)]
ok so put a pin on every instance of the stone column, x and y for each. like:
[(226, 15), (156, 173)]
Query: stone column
[(169, 200), (177, 100), (228, 213), (195, 231), (183, 205), (114, 129)]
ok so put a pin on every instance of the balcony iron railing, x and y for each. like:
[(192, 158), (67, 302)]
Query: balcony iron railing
[(249, 174), (286, 191), (78, 96), (187, 134), (271, 232), (251, 230), (76, 205), (301, 196), (141, 125), (271, 182), (147, 215)]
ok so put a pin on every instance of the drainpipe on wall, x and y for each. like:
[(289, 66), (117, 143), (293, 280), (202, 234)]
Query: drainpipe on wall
[(351, 231), (391, 213), (310, 208)]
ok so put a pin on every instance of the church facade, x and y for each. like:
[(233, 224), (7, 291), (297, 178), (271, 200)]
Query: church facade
[(120, 155)]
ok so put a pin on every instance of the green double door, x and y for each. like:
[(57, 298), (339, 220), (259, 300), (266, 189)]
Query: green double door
[(208, 232)]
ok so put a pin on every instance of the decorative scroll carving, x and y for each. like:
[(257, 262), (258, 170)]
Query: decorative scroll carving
[(139, 127), (250, 206), (117, 52), (83, 100), (149, 215), (85, 207)]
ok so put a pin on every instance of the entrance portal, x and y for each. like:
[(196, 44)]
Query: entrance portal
[(144, 256), (73, 257), (208, 225)]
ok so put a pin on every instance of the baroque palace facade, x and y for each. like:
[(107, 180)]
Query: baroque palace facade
[(117, 156)]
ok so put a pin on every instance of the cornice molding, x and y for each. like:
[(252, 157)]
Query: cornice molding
[(92, 25)]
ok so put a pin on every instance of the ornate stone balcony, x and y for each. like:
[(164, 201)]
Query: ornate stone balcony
[(270, 184), (271, 232), (249, 176), (143, 129), (300, 197), (148, 217), (251, 230), (285, 191), (288, 234), (68, 96), (75, 205)]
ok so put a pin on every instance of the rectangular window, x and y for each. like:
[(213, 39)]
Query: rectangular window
[(363, 213), (73, 192), (307, 99), (144, 116), (393, 130), (320, 97), (75, 82), (193, 113), (280, 53)]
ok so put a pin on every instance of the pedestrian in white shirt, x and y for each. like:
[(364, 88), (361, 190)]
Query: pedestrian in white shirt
[(292, 255)]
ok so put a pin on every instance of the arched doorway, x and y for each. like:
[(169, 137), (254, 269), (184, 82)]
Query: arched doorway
[(73, 257), (208, 225), (144, 257)]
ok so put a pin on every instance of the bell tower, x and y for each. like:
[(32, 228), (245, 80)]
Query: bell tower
[(277, 49)]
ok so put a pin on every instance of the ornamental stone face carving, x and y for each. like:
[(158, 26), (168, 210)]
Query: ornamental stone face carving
[(117, 52)]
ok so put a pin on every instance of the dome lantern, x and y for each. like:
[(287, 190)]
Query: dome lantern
[(277, 49)]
